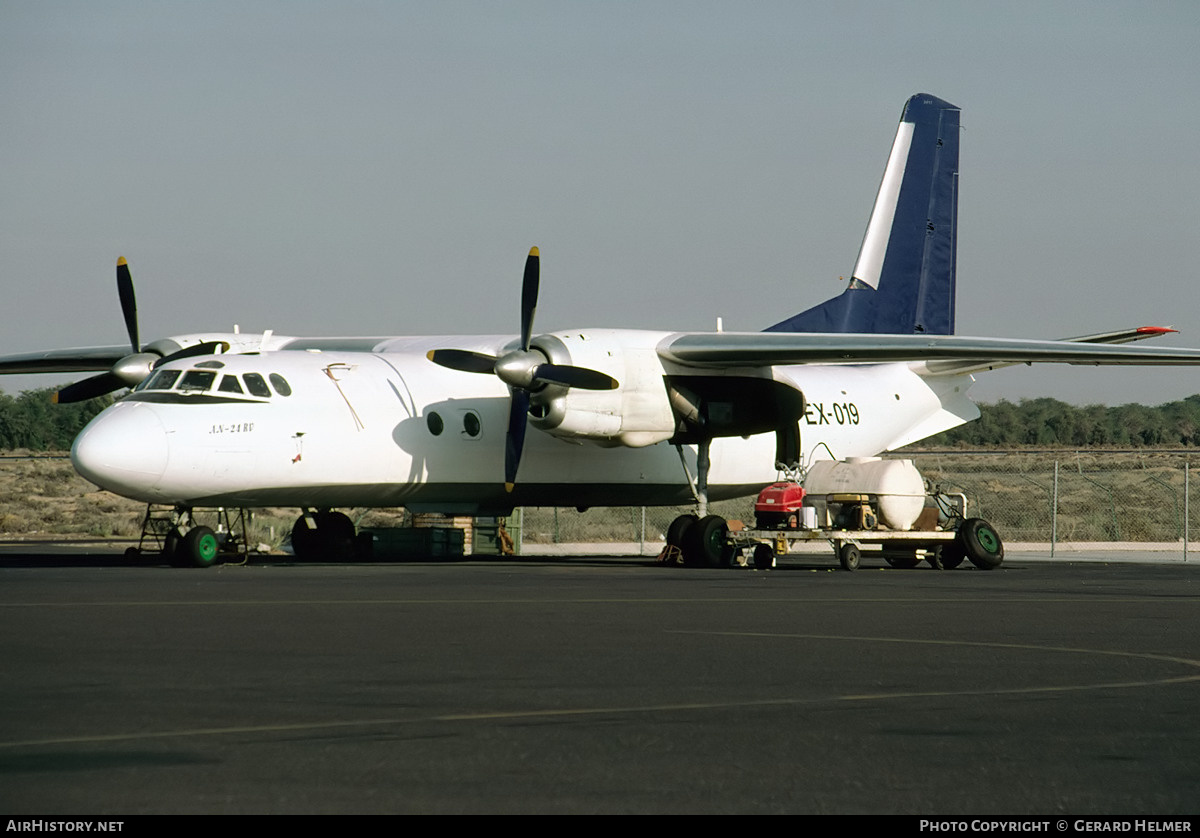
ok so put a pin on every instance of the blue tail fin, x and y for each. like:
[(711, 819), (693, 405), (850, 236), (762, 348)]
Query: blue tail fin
[(903, 281)]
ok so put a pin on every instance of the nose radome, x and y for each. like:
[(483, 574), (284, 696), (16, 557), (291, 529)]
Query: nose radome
[(123, 450)]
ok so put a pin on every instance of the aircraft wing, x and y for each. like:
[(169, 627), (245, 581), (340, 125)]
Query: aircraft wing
[(81, 359), (943, 353), (1122, 336)]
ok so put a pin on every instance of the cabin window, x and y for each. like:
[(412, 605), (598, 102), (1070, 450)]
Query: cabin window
[(161, 380), (256, 385), (230, 384), (197, 380), (280, 384), (471, 424), (212, 365), (435, 424)]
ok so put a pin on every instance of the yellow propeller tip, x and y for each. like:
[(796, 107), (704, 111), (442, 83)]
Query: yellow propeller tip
[(54, 398), (533, 251), (508, 487), (121, 261)]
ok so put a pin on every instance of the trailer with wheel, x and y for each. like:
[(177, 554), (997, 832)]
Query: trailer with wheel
[(972, 539), (879, 506)]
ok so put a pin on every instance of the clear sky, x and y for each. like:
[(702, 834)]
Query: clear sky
[(383, 167)]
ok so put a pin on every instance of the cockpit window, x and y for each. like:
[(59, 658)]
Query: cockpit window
[(230, 384), (162, 380), (256, 385), (280, 384), (197, 380)]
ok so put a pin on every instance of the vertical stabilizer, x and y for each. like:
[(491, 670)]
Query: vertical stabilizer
[(903, 281)]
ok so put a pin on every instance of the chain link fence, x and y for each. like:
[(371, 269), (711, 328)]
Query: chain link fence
[(1039, 497), (1047, 497)]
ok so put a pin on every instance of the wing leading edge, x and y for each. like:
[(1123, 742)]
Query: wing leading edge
[(82, 359), (758, 349)]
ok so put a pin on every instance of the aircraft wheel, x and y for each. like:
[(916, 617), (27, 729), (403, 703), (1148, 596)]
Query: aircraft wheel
[(171, 553), (335, 535), (707, 543), (200, 547), (764, 556), (849, 556), (304, 541), (677, 532), (982, 543)]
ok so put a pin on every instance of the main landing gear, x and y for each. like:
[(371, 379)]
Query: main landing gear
[(699, 540), (325, 535), (702, 540)]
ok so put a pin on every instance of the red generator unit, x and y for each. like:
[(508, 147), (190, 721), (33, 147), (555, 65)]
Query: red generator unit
[(778, 507)]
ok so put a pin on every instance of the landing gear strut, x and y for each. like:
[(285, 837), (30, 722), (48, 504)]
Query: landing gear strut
[(700, 540)]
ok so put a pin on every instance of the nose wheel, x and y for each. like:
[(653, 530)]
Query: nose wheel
[(199, 548)]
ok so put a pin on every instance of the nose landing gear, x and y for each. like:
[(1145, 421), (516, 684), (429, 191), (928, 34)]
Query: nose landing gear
[(183, 542)]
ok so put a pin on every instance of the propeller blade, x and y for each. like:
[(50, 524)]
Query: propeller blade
[(580, 377), (514, 441), (462, 360), (529, 297), (521, 371), (89, 388), (212, 347), (128, 303)]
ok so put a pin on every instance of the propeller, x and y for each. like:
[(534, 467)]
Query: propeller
[(130, 370), (524, 370)]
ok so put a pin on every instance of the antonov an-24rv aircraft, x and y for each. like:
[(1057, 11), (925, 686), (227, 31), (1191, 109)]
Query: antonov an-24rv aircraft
[(618, 417)]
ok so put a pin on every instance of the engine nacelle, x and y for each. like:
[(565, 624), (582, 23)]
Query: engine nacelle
[(638, 413), (651, 405)]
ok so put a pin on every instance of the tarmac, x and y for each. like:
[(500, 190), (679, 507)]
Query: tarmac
[(597, 684), (1129, 552)]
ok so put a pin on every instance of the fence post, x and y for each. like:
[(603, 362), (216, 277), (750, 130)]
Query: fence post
[(1186, 498), (642, 535), (1054, 512), (519, 514)]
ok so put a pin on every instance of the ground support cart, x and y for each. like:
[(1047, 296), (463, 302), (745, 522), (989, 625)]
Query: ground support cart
[(970, 539)]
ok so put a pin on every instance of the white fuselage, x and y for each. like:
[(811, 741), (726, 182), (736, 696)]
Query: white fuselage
[(391, 428)]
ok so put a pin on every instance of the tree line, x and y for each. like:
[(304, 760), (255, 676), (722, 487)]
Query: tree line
[(1049, 422), (31, 420)]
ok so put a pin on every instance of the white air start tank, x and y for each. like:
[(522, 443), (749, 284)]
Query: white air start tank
[(895, 486)]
